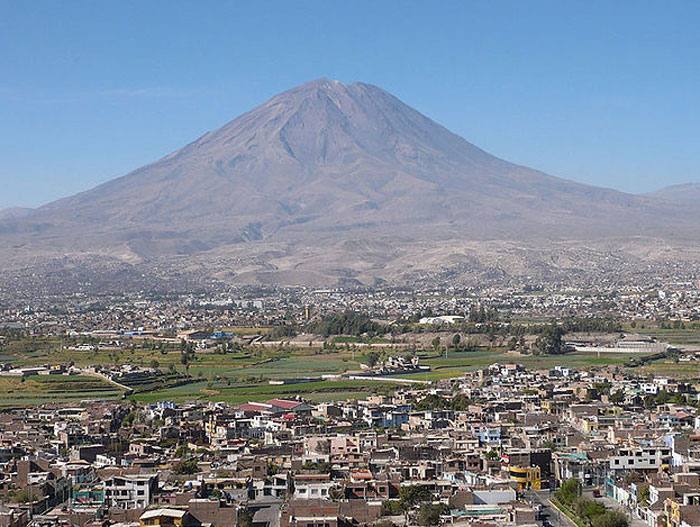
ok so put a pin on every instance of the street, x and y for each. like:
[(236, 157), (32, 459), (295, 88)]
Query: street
[(549, 515), (612, 505)]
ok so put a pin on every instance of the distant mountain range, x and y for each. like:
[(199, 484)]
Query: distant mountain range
[(14, 213), (684, 194), (331, 183)]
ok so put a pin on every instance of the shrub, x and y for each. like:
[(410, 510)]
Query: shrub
[(187, 466), (610, 519), (569, 492)]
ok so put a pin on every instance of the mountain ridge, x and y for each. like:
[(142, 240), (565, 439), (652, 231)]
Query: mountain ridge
[(679, 193), (15, 212), (326, 163)]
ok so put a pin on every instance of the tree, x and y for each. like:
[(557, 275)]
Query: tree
[(617, 397), (372, 359), (481, 314), (603, 388), (678, 398), (610, 519), (460, 403), (22, 496), (186, 467), (649, 402), (491, 455), (323, 467), (662, 397), (185, 359), (588, 509), (456, 339), (285, 330), (551, 445), (569, 491), (436, 343), (412, 495), (347, 323), (391, 508), (429, 514), (432, 402), (335, 493), (643, 494), (129, 418), (550, 342)]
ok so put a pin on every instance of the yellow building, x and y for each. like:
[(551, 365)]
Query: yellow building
[(673, 513), (163, 518), (526, 477)]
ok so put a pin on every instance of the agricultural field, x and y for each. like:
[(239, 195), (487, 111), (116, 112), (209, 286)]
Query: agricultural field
[(266, 363), (15, 391), (457, 363), (324, 390), (248, 382), (671, 368), (684, 338), (243, 375), (233, 377)]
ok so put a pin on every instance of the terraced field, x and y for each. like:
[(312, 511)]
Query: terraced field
[(54, 389), (317, 390), (688, 337), (242, 376)]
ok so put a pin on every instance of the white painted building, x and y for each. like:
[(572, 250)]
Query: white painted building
[(131, 491), (444, 319), (310, 487), (641, 458)]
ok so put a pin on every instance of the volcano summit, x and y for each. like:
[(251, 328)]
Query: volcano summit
[(330, 182)]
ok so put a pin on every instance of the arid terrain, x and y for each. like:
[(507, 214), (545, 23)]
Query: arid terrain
[(331, 184)]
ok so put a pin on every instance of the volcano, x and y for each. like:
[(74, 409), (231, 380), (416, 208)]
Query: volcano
[(328, 166)]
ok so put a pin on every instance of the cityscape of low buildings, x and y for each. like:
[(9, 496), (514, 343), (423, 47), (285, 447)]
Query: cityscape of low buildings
[(487, 448)]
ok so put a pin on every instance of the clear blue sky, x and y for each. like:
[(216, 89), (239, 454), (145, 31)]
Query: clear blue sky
[(604, 92)]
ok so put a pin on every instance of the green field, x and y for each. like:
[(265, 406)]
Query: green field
[(316, 390), (456, 363), (257, 362), (233, 377), (242, 376), (670, 368), (54, 389), (689, 337)]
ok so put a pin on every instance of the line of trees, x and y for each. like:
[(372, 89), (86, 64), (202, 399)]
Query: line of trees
[(589, 511), (550, 341), (347, 323)]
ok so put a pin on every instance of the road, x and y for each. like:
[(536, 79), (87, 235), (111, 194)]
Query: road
[(612, 505), (550, 516)]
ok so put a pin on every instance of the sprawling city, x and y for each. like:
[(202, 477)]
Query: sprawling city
[(297, 406), (237, 291)]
